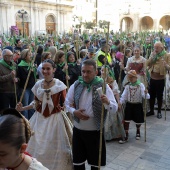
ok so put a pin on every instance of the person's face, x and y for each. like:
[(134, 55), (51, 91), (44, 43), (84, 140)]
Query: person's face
[(47, 70), (8, 57), (62, 59), (129, 44), (103, 72), (132, 79), (16, 55), (90, 55), (88, 73), (19, 44), (48, 57), (157, 48), (71, 58), (9, 155), (88, 44), (129, 54), (148, 41), (137, 52), (28, 57)]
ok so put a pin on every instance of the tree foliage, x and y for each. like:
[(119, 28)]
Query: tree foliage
[(103, 24), (89, 25)]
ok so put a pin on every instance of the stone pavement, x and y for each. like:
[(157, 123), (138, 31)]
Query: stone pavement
[(154, 154)]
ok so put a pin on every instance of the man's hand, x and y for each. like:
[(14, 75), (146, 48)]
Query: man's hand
[(13, 73), (146, 91), (104, 99), (79, 113)]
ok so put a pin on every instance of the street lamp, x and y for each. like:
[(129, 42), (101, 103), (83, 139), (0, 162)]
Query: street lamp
[(75, 17), (21, 13)]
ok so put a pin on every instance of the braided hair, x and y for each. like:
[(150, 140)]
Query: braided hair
[(14, 128)]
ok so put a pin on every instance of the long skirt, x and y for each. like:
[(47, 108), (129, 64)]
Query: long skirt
[(51, 142), (114, 126)]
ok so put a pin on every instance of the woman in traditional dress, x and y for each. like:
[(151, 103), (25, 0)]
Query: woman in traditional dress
[(137, 63), (51, 143), (113, 126)]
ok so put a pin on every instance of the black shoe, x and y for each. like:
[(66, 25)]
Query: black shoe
[(150, 113), (159, 115)]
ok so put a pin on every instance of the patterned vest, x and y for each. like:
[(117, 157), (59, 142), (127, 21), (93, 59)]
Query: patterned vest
[(96, 102)]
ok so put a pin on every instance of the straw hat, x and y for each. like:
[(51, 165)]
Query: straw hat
[(132, 73)]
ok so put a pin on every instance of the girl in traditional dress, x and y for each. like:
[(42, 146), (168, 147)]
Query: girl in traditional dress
[(15, 133), (113, 125), (51, 143), (132, 96)]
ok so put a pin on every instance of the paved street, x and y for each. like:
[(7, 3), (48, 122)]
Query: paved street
[(154, 154)]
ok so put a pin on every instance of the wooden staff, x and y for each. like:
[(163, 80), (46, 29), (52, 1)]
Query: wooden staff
[(15, 89), (145, 103), (77, 46), (66, 71), (28, 76), (165, 92), (104, 91)]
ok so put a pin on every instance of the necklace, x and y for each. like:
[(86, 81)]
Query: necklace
[(17, 165), (48, 82), (47, 91)]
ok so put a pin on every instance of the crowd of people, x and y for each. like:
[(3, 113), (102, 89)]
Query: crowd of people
[(41, 86)]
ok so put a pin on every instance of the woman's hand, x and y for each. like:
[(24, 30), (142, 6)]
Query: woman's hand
[(19, 107)]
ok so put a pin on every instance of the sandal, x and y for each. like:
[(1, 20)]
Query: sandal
[(159, 115)]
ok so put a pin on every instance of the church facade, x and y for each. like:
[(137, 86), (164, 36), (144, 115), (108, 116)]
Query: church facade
[(34, 17)]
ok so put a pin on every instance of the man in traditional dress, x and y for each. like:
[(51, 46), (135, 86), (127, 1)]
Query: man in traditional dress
[(85, 103), (7, 79), (158, 64)]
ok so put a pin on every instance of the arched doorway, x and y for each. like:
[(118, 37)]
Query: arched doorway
[(50, 24), (22, 22), (165, 22), (146, 23), (126, 24)]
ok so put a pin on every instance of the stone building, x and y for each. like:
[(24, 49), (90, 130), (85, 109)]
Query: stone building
[(36, 16), (134, 15)]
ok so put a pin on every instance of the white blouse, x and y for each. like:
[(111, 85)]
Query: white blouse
[(35, 165), (134, 94)]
